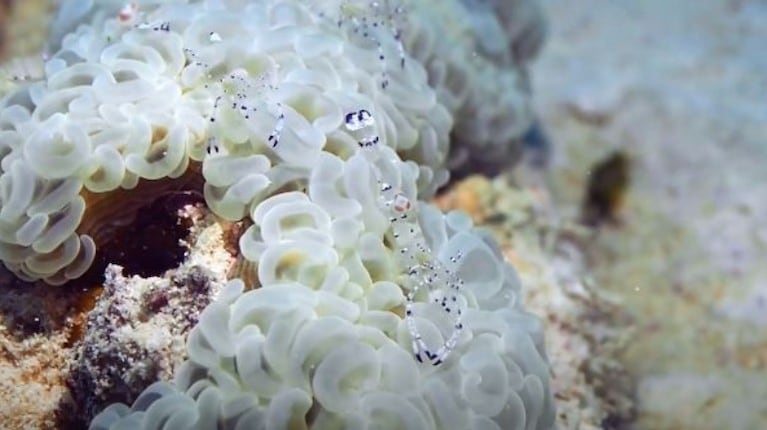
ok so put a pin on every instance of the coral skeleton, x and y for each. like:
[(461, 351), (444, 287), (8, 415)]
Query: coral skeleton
[(328, 125)]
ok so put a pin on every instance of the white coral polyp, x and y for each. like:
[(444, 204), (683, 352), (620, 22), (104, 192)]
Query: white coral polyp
[(58, 149)]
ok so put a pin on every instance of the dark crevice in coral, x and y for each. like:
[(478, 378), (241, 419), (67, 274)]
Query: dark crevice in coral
[(140, 228), (151, 244), (147, 246)]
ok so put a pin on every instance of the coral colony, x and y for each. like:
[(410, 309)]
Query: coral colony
[(326, 124)]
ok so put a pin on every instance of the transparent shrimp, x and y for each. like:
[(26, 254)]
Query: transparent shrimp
[(424, 271)]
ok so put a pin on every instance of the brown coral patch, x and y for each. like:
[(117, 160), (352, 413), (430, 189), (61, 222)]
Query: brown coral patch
[(466, 195), (84, 302), (241, 268), (4, 12)]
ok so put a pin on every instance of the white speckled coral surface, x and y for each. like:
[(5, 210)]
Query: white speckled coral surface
[(680, 86)]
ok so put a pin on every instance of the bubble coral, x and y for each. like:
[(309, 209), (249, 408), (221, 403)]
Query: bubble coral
[(323, 345), (124, 104)]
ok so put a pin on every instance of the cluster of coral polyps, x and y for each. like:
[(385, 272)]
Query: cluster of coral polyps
[(319, 122)]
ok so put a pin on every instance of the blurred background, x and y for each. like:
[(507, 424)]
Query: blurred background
[(668, 99)]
